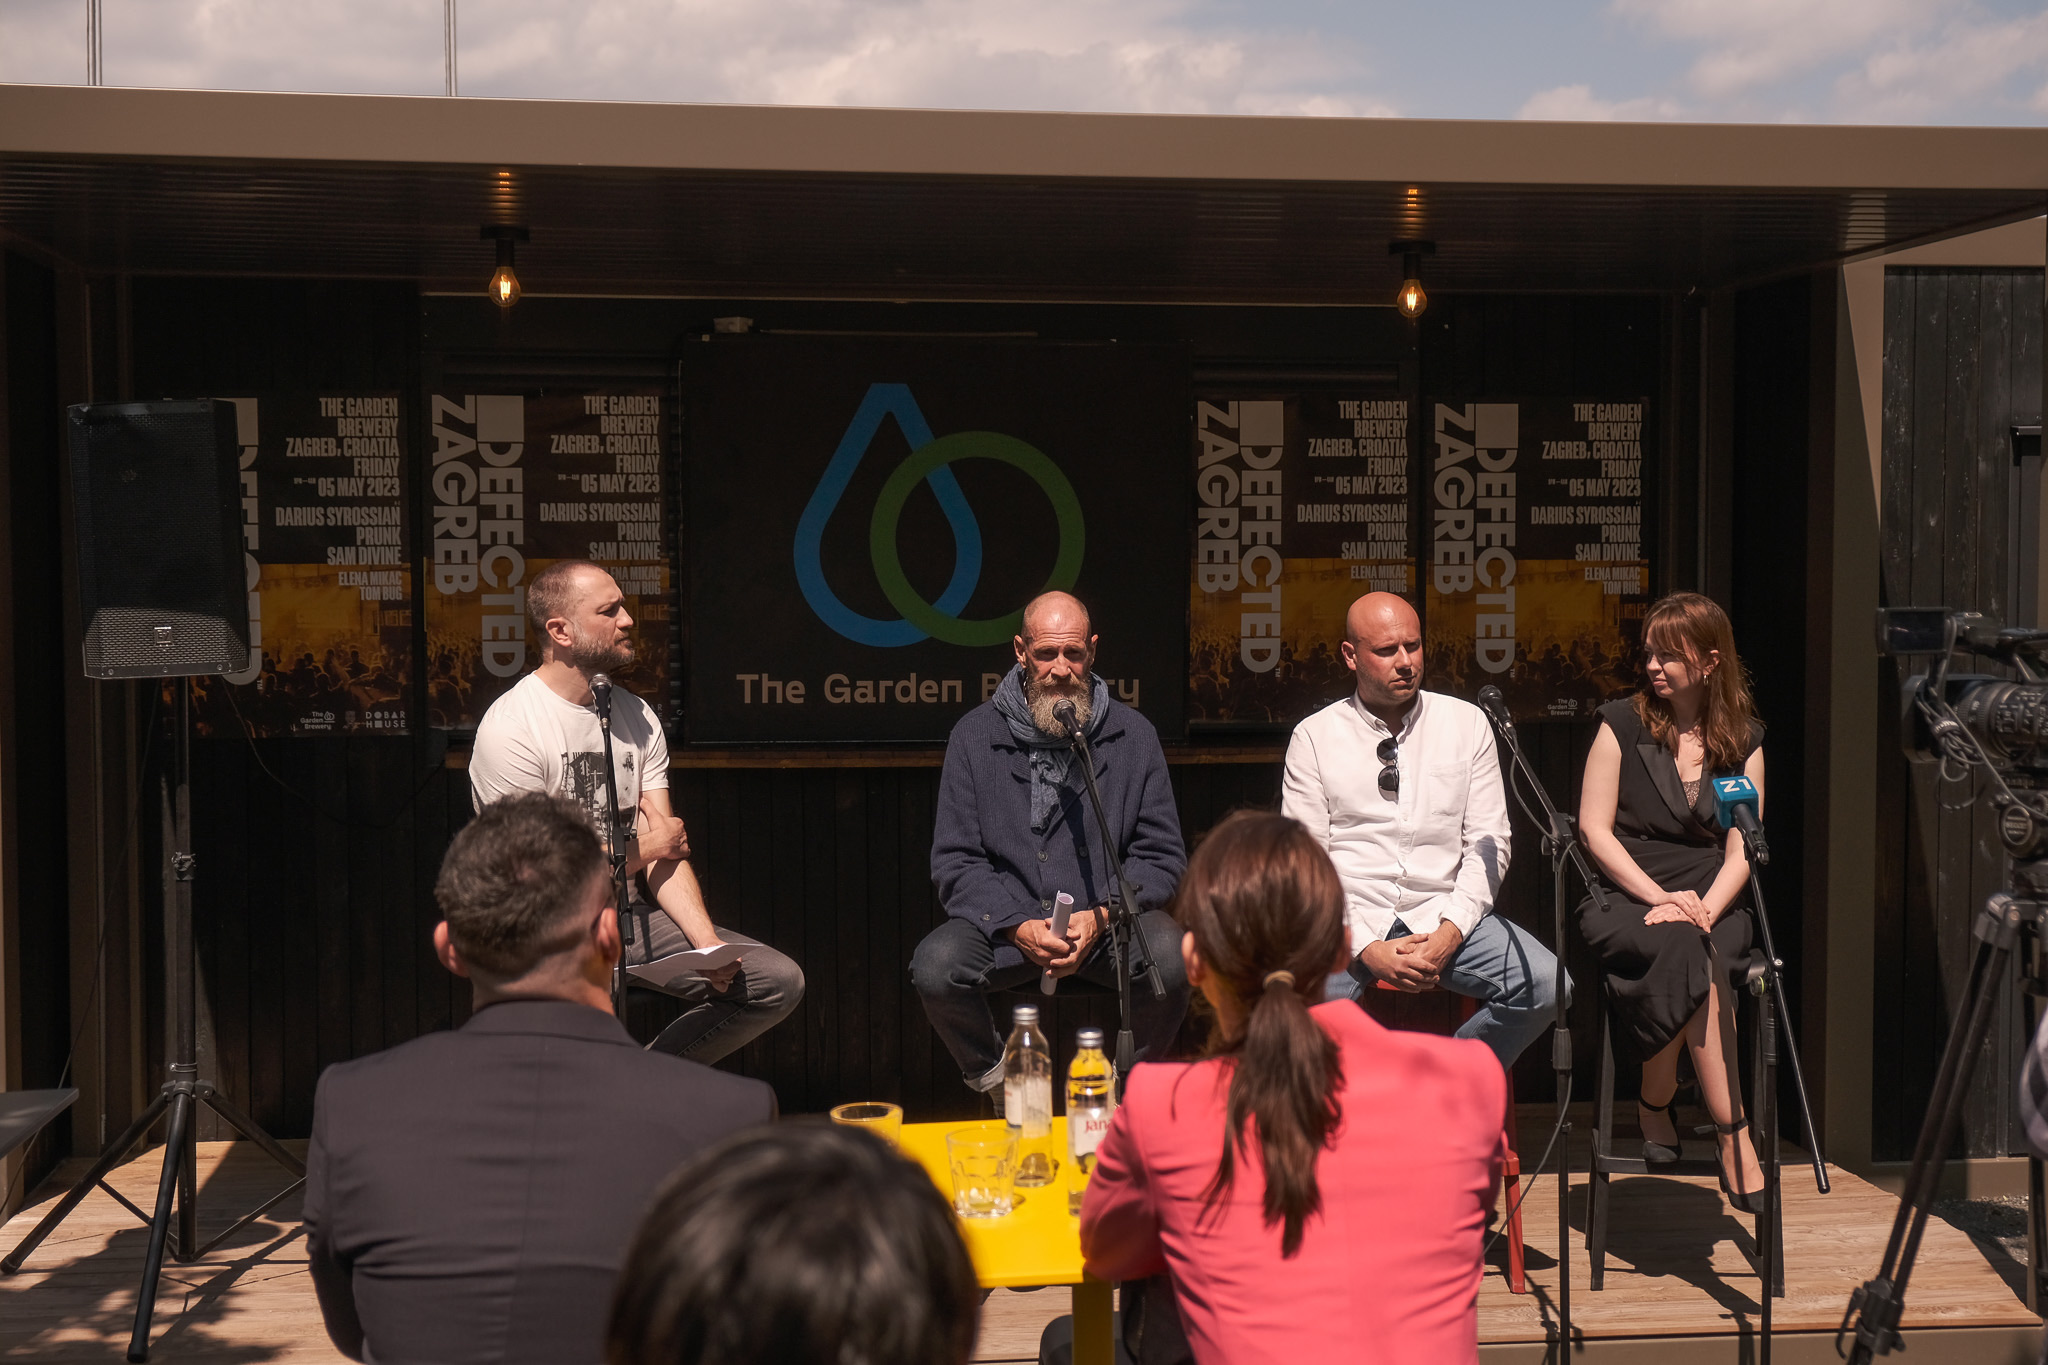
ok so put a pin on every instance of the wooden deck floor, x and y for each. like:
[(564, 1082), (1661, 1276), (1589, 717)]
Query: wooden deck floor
[(1674, 1271)]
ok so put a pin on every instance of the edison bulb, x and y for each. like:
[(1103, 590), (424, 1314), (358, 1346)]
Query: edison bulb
[(504, 287), (1411, 299)]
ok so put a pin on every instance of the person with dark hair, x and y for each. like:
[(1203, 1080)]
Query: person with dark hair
[(801, 1244), (468, 1194), (1317, 1187), (543, 735), (1677, 923), (1014, 829)]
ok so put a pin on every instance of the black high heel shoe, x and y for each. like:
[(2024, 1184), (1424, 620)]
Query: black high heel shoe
[(1749, 1201), (1656, 1153)]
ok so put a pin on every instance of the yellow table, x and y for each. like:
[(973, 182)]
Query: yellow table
[(1038, 1242)]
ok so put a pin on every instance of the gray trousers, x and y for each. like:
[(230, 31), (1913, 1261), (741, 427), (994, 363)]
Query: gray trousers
[(715, 1023)]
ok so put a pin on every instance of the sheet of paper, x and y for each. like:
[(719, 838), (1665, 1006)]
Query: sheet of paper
[(693, 960)]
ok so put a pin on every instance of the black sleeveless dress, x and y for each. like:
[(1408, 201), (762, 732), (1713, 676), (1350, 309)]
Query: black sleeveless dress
[(1658, 974)]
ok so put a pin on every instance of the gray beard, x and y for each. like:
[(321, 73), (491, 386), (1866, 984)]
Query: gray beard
[(1042, 702)]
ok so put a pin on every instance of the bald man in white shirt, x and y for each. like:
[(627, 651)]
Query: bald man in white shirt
[(1403, 789)]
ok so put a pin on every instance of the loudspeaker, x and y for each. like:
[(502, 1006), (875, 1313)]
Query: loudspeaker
[(161, 580)]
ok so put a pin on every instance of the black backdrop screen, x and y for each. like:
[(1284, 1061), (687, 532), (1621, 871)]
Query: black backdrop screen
[(867, 516)]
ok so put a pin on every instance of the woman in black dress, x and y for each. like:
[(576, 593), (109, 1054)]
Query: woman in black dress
[(1677, 921)]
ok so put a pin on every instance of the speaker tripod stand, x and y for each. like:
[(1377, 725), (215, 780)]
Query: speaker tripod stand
[(177, 1194)]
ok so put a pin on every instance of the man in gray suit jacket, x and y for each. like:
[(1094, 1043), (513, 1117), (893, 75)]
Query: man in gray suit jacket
[(469, 1194)]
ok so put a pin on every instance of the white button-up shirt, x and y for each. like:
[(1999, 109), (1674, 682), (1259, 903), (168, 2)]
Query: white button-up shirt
[(1436, 852)]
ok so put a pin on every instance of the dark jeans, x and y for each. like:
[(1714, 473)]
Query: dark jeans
[(769, 985), (957, 965)]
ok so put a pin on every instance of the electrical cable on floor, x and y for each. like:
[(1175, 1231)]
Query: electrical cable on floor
[(1556, 1131)]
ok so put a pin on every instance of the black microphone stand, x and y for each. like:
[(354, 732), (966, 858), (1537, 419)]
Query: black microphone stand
[(1561, 846), (1123, 913), (601, 697), (1770, 991)]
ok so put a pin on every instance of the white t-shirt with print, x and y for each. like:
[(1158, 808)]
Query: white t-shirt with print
[(532, 740)]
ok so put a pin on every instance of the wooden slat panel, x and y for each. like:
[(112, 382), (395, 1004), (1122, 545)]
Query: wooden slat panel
[(1962, 365)]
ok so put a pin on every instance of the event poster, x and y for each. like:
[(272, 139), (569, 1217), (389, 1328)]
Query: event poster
[(869, 516), (520, 481), (1537, 573), (329, 570), (1303, 503)]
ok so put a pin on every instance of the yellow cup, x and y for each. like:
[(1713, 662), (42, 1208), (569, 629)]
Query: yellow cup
[(882, 1119)]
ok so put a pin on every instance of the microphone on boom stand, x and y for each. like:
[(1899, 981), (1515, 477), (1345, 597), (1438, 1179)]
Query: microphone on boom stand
[(1123, 908), (615, 843), (1561, 846)]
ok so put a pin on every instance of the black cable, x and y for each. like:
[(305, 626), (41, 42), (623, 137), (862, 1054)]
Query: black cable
[(1556, 1131), (249, 738)]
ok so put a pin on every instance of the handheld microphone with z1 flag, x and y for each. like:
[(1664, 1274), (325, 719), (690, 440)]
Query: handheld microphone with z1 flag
[(1735, 805)]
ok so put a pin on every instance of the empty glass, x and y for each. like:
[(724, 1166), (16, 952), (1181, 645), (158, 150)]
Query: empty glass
[(984, 1164), (882, 1119)]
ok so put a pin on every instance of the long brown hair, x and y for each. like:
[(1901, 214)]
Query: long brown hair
[(1694, 626), (1267, 913)]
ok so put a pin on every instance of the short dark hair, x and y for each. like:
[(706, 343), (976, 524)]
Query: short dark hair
[(510, 878), (798, 1244), (550, 594)]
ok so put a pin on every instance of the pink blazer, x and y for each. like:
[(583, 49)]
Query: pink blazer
[(1388, 1271)]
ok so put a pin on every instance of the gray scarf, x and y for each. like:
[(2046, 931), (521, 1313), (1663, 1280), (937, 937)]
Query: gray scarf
[(1052, 757)]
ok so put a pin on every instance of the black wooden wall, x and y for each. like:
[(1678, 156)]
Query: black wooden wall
[(1962, 366), (35, 742), (317, 856)]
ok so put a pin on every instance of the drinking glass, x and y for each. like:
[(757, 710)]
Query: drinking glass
[(984, 1166), (882, 1119)]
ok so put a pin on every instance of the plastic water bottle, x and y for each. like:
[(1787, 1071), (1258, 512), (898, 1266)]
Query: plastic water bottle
[(1027, 1097), (1091, 1099)]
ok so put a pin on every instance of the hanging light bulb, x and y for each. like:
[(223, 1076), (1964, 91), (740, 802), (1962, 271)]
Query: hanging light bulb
[(504, 285), (1412, 298)]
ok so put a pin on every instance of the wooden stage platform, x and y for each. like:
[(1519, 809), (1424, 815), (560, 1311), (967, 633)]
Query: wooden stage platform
[(1678, 1289)]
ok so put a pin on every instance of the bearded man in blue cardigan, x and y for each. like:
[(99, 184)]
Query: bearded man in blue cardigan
[(1014, 829)]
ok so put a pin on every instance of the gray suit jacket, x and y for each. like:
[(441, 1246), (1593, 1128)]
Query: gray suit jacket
[(469, 1194)]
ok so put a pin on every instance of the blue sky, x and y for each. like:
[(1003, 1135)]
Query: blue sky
[(1857, 61)]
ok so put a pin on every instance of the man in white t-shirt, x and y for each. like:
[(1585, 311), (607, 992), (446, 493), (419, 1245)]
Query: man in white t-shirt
[(543, 736), (1402, 788)]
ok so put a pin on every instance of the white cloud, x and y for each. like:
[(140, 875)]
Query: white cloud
[(1133, 55), (1753, 42), (1866, 60), (1578, 104)]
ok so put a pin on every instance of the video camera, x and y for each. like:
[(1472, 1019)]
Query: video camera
[(1970, 719)]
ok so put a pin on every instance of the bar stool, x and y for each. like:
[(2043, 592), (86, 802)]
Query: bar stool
[(1763, 1095), (1442, 1012)]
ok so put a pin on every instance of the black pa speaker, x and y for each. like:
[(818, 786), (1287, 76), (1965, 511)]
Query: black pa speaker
[(161, 582)]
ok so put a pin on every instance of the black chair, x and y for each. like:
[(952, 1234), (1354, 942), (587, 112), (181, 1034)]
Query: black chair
[(1763, 1111)]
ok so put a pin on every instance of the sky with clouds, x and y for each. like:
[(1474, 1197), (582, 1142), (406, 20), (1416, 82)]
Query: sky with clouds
[(1835, 61)]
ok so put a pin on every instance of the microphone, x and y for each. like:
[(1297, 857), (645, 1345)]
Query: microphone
[(1495, 706), (601, 696), (1735, 805), (1063, 712)]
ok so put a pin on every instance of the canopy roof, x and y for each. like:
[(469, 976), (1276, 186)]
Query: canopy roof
[(744, 201)]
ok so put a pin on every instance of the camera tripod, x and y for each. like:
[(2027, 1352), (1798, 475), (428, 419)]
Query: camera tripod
[(2011, 922), (183, 1091)]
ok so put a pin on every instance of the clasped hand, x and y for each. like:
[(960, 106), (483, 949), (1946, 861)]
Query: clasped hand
[(1680, 907), (660, 837), (1413, 963), (1060, 956)]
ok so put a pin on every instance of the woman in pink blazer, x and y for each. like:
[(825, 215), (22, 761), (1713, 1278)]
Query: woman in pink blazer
[(1318, 1187)]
